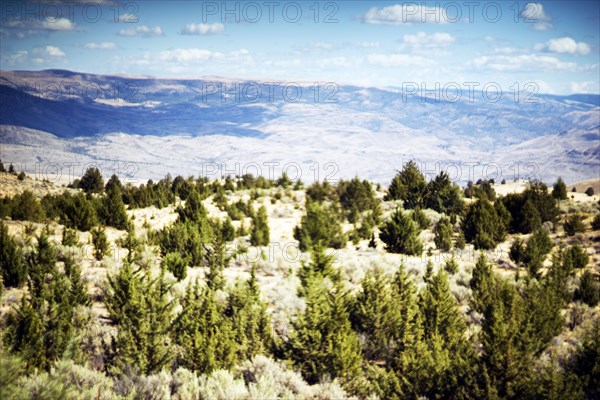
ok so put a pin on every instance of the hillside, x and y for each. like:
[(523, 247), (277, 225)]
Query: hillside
[(279, 269), (157, 126)]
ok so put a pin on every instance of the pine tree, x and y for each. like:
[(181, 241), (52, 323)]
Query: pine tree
[(177, 265), (91, 181), (559, 190), (443, 234), (483, 226), (259, 234), (444, 196), (589, 290), (111, 208), (400, 235), (574, 224), (217, 261), (320, 226), (100, 242), (12, 268), (408, 185), (2, 169), (538, 246), (319, 267)]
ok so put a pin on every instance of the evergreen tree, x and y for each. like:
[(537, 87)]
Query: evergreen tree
[(596, 222), (141, 308), (250, 321), (205, 335), (408, 185), (575, 257), (323, 343), (69, 237), (12, 268), (444, 196), (217, 261), (574, 224), (26, 207), (91, 181), (559, 190), (400, 235), (319, 268), (100, 242), (111, 209), (319, 226), (483, 226), (11, 169), (259, 235), (177, 265), (538, 246), (2, 169), (132, 244), (443, 234), (420, 218), (589, 290), (585, 363)]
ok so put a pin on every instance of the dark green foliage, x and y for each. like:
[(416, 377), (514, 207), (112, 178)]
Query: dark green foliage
[(517, 251), (482, 190), (41, 329), (444, 196), (451, 265), (217, 261), (11, 169), (91, 181), (443, 234), (323, 343), (2, 169), (139, 304), (585, 363), (319, 192), (177, 265), (69, 237), (575, 257), (484, 225), (320, 226), (596, 222), (12, 268), (228, 230), (589, 289), (73, 211), (356, 197), (250, 321), (100, 242), (531, 208), (408, 185), (159, 194), (132, 244), (401, 235), (111, 209), (574, 224), (26, 207), (559, 190), (205, 335), (420, 218), (589, 191), (460, 241), (319, 268), (259, 233), (21, 176), (538, 246)]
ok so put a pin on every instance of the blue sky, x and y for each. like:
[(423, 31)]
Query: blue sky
[(548, 46)]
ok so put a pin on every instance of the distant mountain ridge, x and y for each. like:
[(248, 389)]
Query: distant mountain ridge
[(367, 131)]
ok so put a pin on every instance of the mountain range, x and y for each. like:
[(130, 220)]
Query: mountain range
[(144, 127)]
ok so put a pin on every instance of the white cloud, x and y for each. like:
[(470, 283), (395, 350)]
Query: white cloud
[(584, 87), (523, 62), (101, 46), (406, 14), (398, 60), (368, 45), (51, 51), (202, 29), (422, 41), (24, 28), (142, 31), (336, 62), (564, 45), (534, 14), (195, 55), (17, 58)]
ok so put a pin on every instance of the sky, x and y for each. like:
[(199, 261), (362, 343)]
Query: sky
[(546, 47)]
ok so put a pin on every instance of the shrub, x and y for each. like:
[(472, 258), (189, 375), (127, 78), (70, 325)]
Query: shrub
[(443, 234), (575, 257), (21, 176), (483, 226), (176, 264), (408, 185), (589, 191), (319, 226), (559, 190), (259, 234), (100, 242), (596, 222), (574, 224), (69, 237), (400, 234), (91, 181), (12, 268), (589, 289), (420, 218)]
